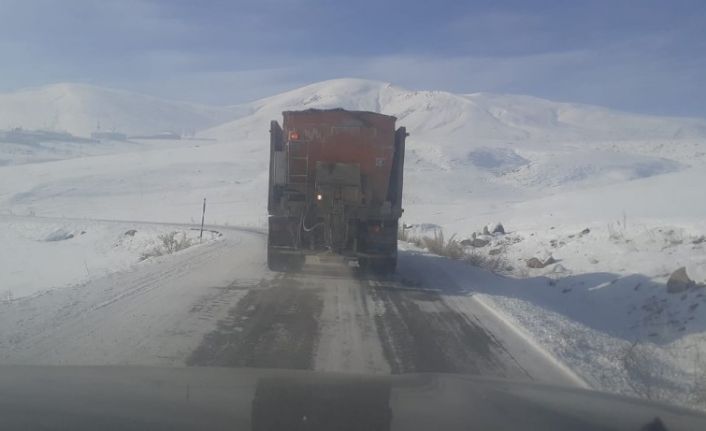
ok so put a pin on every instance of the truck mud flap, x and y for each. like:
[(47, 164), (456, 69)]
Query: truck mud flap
[(282, 259), (377, 264)]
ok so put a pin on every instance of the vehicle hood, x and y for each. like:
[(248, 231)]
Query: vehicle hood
[(77, 398)]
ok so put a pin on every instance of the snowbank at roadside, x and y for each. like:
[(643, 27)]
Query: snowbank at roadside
[(601, 306), (39, 254)]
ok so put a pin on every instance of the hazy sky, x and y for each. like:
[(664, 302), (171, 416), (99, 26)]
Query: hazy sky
[(643, 56)]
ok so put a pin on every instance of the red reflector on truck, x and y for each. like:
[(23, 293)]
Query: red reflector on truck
[(293, 136)]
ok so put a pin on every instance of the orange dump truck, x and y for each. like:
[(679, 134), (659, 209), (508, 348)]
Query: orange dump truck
[(335, 186)]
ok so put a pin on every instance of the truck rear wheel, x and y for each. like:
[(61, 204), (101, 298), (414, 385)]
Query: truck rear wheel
[(387, 265), (297, 262), (276, 261), (284, 262)]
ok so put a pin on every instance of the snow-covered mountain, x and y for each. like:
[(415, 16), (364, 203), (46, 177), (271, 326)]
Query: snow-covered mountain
[(480, 144), (447, 117), (508, 143), (80, 109), (478, 116)]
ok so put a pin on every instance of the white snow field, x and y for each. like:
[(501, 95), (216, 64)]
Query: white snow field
[(546, 170), (81, 109), (49, 253)]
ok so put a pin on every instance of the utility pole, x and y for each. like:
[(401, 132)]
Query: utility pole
[(203, 215)]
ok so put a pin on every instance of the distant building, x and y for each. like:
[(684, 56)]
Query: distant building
[(162, 135), (19, 135), (109, 136)]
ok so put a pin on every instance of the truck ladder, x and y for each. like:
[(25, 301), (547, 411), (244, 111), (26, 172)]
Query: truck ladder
[(298, 166)]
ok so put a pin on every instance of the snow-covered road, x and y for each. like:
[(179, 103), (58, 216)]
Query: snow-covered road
[(154, 313), (217, 304)]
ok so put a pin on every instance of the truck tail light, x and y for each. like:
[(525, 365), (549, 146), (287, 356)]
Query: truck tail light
[(293, 136), (374, 228), (319, 197)]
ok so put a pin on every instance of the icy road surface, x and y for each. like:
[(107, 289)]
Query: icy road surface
[(218, 305)]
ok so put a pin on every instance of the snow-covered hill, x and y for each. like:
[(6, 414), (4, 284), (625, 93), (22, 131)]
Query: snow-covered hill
[(79, 109), (477, 151), (478, 116), (516, 141)]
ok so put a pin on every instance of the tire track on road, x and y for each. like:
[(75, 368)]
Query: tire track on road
[(331, 317), (271, 327), (420, 333)]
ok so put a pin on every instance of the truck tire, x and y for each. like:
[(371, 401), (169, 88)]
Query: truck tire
[(385, 266), (296, 262), (284, 262), (276, 261), (379, 266)]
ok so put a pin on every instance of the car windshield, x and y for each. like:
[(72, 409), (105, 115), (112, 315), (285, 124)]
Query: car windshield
[(512, 189)]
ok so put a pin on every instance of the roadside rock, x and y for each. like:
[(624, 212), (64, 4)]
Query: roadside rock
[(679, 281), (536, 263), (585, 231), (475, 242), (131, 232), (499, 228), (478, 239), (59, 235), (479, 242), (699, 240), (559, 269)]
